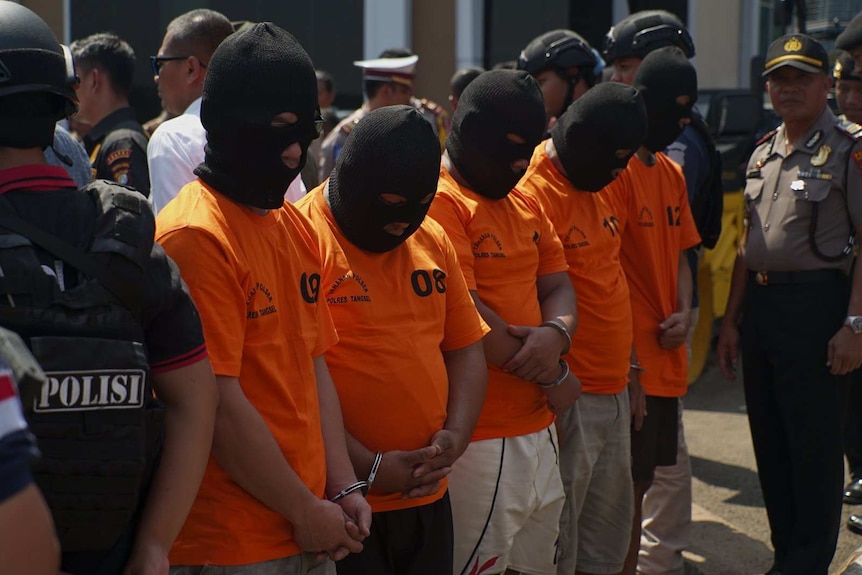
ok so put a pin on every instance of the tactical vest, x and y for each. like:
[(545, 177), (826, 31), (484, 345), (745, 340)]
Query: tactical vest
[(707, 206), (98, 424)]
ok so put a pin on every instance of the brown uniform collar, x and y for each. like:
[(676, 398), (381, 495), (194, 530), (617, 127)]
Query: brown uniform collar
[(810, 143)]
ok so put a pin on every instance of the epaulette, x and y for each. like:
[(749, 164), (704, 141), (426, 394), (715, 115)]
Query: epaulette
[(431, 106), (850, 129), (768, 136), (348, 127)]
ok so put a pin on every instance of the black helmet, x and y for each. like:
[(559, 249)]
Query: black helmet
[(560, 49), (642, 32), (32, 60)]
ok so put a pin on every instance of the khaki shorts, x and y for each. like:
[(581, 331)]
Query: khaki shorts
[(595, 463), (506, 499), (302, 564)]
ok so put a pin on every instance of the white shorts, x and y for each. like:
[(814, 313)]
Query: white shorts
[(507, 497)]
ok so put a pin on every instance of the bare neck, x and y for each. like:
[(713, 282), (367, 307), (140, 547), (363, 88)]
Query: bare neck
[(108, 106), (16, 157), (795, 131), (646, 156), (453, 171), (551, 150)]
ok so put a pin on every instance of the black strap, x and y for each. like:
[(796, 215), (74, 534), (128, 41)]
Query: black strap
[(76, 257)]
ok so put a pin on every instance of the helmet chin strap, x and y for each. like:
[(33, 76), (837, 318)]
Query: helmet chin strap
[(570, 92)]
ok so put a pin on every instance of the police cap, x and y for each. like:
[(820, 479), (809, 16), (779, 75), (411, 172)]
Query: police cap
[(852, 34), (637, 35), (398, 70), (560, 49), (845, 68), (798, 51)]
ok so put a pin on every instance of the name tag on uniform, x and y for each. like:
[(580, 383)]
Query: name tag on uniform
[(797, 185)]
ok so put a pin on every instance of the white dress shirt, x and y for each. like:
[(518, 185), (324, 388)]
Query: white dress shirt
[(175, 150)]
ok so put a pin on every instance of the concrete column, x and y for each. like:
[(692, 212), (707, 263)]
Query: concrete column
[(469, 34)]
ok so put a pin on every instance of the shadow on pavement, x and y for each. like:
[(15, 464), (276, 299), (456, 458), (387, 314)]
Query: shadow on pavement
[(739, 479), (711, 392), (718, 549)]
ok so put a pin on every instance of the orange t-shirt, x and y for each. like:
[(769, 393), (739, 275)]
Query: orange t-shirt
[(255, 281), (588, 227), (503, 246), (395, 312), (657, 226)]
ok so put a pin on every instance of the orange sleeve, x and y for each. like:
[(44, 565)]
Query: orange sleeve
[(464, 325), (446, 212), (313, 237), (618, 194), (213, 283), (552, 258)]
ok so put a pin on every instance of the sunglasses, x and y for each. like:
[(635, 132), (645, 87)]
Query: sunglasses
[(157, 61)]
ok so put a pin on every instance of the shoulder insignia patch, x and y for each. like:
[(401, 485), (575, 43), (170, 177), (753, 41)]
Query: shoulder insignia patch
[(767, 137), (348, 127), (850, 129), (431, 106)]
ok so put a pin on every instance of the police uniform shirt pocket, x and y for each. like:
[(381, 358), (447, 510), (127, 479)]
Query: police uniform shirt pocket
[(810, 189), (753, 188)]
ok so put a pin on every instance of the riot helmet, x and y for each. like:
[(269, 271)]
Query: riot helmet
[(32, 60), (642, 32), (568, 55)]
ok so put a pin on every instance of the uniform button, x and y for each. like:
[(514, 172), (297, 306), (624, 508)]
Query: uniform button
[(766, 228)]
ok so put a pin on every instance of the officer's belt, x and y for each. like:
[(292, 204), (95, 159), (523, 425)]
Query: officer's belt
[(764, 278)]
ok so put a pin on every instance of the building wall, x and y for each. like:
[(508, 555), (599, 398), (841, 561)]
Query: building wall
[(716, 31), (499, 29), (51, 12), (433, 32)]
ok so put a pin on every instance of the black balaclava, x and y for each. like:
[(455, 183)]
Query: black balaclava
[(392, 150), (607, 118), (495, 104), (253, 76), (663, 76)]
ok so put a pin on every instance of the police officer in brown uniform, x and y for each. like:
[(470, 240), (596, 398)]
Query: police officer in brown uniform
[(117, 143), (848, 94), (848, 87), (850, 40), (799, 304), (386, 82)]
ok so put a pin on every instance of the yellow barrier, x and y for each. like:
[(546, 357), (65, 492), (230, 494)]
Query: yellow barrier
[(714, 273)]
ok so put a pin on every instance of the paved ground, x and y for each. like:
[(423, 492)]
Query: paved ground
[(730, 532)]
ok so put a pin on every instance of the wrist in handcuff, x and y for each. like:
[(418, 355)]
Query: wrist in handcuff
[(361, 486), (558, 325), (564, 373)]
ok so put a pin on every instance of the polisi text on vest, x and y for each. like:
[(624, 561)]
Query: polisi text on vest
[(87, 390)]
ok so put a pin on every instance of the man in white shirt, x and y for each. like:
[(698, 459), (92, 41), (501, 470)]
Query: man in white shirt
[(177, 146), (179, 69)]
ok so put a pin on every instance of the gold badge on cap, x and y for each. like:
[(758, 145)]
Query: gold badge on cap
[(838, 69), (793, 45), (821, 156)]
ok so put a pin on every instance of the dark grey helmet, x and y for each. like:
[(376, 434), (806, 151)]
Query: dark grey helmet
[(642, 32), (32, 60), (559, 49)]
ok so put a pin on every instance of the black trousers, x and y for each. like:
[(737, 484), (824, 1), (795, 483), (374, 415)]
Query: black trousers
[(414, 541), (796, 413), (853, 426)]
